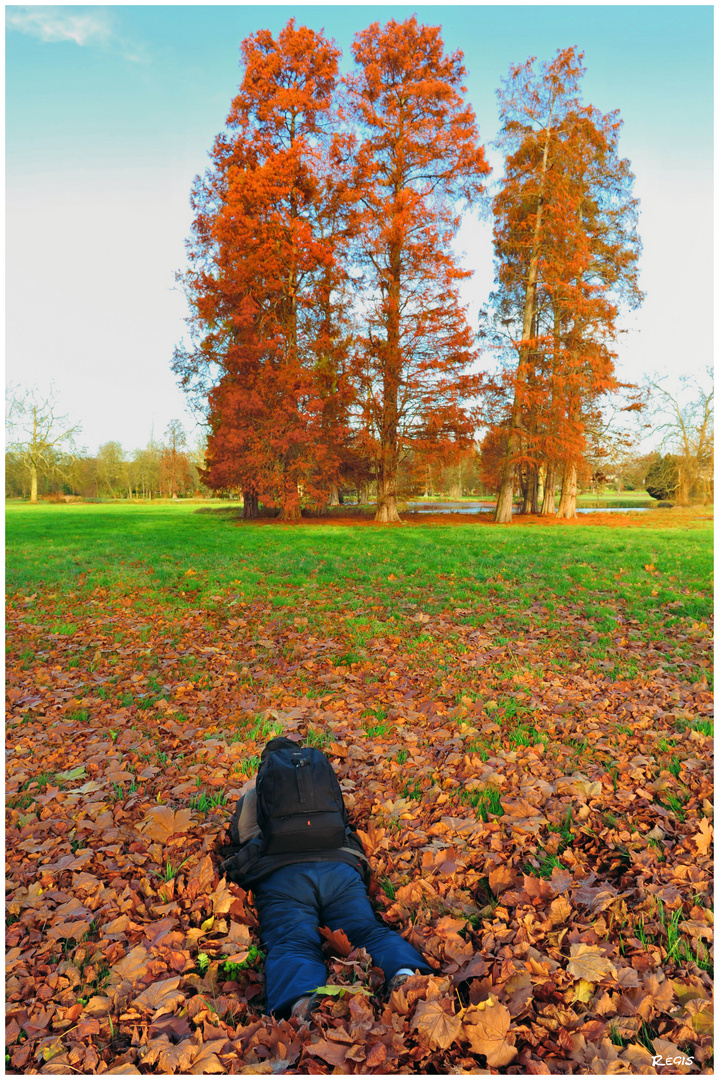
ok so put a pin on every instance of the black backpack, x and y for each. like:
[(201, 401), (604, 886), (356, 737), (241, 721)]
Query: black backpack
[(299, 802)]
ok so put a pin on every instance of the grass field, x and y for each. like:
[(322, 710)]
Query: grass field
[(505, 706), (179, 557)]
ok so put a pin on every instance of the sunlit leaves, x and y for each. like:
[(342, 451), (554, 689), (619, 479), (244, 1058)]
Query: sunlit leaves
[(578, 947), (161, 823), (486, 1026)]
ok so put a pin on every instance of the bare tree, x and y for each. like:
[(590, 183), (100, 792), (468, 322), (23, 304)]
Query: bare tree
[(175, 474), (145, 470), (37, 432), (686, 425), (112, 468)]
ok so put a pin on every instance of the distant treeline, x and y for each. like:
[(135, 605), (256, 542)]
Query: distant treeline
[(161, 469)]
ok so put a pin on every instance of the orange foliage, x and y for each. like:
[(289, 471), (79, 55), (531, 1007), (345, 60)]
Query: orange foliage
[(567, 249), (267, 229), (418, 153)]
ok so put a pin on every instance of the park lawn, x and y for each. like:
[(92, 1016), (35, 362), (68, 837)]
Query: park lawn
[(522, 713)]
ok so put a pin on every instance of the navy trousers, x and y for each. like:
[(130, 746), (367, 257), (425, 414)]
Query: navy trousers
[(293, 902)]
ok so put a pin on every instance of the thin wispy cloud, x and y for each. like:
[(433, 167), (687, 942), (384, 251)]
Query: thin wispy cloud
[(85, 28)]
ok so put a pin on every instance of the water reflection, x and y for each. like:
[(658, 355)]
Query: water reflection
[(484, 508)]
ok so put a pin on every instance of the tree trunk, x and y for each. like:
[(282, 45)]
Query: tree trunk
[(291, 509), (250, 504), (291, 512), (334, 496), (524, 482), (387, 494), (33, 484), (568, 501), (549, 483), (533, 490), (505, 499), (455, 490), (389, 450)]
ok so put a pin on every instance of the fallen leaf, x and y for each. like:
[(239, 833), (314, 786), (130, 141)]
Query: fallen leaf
[(160, 997), (487, 1031), (501, 878), (337, 940), (161, 823), (703, 839), (587, 962), (436, 1023), (133, 966)]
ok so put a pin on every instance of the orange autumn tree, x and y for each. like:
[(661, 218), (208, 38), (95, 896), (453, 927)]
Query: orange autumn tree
[(567, 251), (418, 154), (267, 230)]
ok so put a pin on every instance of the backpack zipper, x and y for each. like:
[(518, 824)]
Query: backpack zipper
[(300, 785)]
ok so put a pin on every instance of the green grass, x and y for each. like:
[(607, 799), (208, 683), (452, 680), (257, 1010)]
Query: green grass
[(204, 802), (320, 739), (486, 800), (169, 871), (249, 765), (131, 547)]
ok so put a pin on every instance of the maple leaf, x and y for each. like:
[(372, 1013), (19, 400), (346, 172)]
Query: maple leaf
[(222, 898), (337, 940), (160, 997), (71, 774), (519, 808), (661, 993), (436, 1023), (132, 966), (202, 875), (638, 1056), (239, 936), (160, 823), (331, 1052), (486, 1028), (340, 991), (560, 911), (538, 888), (703, 839), (501, 878), (703, 1022), (98, 1005), (587, 962), (696, 929), (584, 991), (689, 991), (561, 879), (376, 1055), (150, 1052), (206, 1059)]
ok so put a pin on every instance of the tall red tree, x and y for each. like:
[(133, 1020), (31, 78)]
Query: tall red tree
[(567, 252), (263, 267), (418, 154)]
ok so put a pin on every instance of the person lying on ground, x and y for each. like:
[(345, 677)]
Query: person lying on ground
[(293, 845)]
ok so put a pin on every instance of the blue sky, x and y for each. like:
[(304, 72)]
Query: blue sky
[(110, 113)]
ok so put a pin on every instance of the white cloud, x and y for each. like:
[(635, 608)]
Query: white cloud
[(60, 24), (84, 27)]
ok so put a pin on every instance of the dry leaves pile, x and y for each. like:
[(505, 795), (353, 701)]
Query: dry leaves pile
[(561, 890)]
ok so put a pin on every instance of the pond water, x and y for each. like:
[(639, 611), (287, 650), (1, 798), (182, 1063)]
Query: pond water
[(477, 508)]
